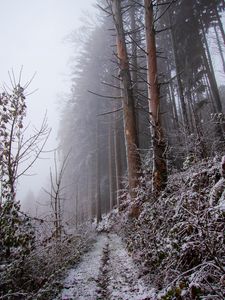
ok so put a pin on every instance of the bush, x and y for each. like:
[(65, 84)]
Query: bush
[(178, 240)]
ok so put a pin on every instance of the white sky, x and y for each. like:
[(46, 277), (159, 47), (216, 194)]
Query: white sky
[(32, 34)]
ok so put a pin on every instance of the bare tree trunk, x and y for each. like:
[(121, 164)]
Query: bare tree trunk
[(98, 192), (76, 204), (219, 47), (87, 202), (200, 146), (172, 100), (159, 146), (59, 217), (134, 65), (110, 159), (133, 157), (210, 71), (190, 115), (92, 189), (220, 24), (117, 152), (179, 82), (56, 215), (213, 83)]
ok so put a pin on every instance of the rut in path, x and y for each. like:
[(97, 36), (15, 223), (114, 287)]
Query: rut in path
[(106, 272)]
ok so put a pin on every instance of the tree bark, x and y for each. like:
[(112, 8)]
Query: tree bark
[(172, 100), (179, 82), (76, 204), (98, 191), (220, 24), (117, 152), (110, 160), (159, 146), (134, 65), (219, 47), (207, 61), (133, 157)]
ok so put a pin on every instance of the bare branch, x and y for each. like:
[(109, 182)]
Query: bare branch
[(110, 112), (104, 96)]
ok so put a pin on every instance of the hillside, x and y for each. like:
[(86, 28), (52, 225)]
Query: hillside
[(178, 240)]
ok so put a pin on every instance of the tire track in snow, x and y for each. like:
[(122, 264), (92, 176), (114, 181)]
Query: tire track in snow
[(103, 278), (124, 283), (80, 284), (108, 273)]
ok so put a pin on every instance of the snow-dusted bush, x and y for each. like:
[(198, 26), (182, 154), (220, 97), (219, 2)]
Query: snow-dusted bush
[(178, 240), (16, 232), (17, 156), (38, 275)]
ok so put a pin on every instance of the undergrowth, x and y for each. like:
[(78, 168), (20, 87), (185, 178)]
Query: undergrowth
[(178, 239), (39, 275)]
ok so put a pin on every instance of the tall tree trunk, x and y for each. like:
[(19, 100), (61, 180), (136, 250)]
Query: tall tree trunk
[(190, 116), (117, 151), (76, 204), (110, 160), (88, 197), (159, 146), (219, 47), (98, 191), (133, 157), (200, 147), (209, 93), (179, 82), (207, 61), (59, 217), (92, 189), (174, 108), (172, 100), (213, 83), (134, 64), (220, 23)]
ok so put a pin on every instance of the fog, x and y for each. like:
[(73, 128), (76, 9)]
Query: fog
[(33, 35)]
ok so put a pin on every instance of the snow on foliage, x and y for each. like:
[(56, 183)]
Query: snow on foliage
[(178, 240), (39, 274)]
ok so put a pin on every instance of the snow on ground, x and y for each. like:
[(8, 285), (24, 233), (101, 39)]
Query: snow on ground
[(105, 272), (124, 283), (80, 282)]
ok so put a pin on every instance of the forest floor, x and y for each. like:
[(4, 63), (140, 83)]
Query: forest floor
[(105, 272)]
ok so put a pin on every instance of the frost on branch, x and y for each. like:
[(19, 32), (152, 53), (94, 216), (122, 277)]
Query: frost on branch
[(17, 155), (217, 195), (178, 241)]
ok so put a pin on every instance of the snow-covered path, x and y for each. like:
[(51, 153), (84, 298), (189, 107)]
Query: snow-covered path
[(105, 272), (123, 274)]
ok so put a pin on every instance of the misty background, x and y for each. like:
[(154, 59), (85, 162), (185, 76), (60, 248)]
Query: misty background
[(35, 35)]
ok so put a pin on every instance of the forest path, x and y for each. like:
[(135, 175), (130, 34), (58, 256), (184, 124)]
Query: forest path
[(105, 272)]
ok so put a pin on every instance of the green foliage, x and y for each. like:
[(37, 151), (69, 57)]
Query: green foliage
[(16, 234)]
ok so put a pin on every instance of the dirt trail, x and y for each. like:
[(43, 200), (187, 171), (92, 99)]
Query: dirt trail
[(105, 272)]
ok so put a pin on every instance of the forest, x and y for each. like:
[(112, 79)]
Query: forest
[(134, 207)]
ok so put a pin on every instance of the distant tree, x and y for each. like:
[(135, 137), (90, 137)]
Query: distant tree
[(85, 118), (56, 194)]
